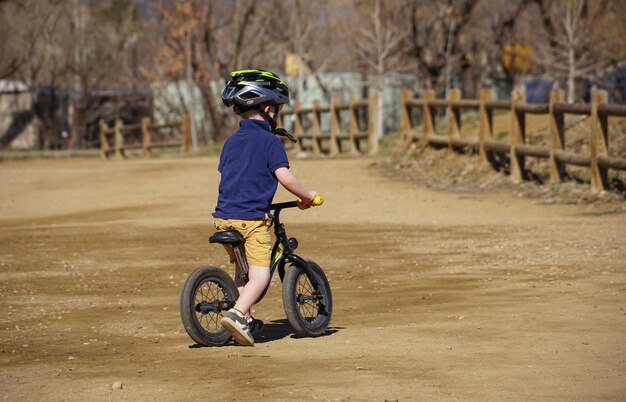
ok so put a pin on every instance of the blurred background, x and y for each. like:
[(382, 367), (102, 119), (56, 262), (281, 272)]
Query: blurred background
[(67, 65)]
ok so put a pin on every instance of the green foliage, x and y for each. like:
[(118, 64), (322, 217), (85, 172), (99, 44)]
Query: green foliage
[(389, 144), (501, 134), (30, 154), (470, 121), (119, 13)]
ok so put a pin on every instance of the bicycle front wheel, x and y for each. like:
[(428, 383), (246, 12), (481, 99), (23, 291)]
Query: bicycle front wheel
[(307, 299), (206, 294)]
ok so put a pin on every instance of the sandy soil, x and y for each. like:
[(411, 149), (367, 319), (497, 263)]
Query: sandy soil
[(438, 296)]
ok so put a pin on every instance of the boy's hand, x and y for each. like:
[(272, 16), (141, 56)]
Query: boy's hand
[(304, 203)]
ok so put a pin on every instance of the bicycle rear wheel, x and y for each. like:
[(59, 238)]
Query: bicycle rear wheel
[(207, 292), (307, 299)]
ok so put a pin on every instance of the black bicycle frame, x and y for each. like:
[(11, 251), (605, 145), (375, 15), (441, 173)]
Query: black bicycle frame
[(283, 248)]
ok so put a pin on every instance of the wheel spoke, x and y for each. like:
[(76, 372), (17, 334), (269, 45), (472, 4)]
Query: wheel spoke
[(210, 292), (308, 307)]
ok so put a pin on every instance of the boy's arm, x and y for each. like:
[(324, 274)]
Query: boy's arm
[(293, 185)]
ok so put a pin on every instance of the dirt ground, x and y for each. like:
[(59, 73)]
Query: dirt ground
[(479, 296)]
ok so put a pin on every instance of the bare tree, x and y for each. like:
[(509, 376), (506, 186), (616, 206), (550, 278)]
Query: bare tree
[(78, 46), (379, 44), (488, 33), (219, 37), (10, 60), (312, 26), (571, 52), (302, 31), (436, 31), (232, 37), (95, 58), (31, 39), (65, 49)]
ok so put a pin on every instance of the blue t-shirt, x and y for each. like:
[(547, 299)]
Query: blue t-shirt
[(247, 164)]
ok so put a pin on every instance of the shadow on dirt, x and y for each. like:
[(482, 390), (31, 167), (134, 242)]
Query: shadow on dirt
[(279, 329), (274, 331)]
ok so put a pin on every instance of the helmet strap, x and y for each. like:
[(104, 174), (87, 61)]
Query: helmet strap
[(272, 121)]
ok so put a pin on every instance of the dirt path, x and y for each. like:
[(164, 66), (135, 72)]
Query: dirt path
[(437, 296)]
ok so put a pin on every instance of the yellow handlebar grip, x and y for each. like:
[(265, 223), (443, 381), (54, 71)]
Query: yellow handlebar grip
[(317, 201)]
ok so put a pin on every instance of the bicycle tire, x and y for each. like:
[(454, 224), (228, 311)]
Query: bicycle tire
[(307, 299), (206, 293)]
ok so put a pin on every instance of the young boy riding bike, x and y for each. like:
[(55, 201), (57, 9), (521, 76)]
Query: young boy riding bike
[(252, 163)]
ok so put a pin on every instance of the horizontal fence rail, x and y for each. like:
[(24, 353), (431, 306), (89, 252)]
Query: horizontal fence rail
[(598, 160), (349, 126), (149, 132)]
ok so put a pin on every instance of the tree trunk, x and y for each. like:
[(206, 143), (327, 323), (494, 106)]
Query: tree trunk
[(79, 122), (218, 128), (380, 125), (571, 77), (191, 89)]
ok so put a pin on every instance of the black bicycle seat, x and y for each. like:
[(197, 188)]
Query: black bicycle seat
[(231, 237)]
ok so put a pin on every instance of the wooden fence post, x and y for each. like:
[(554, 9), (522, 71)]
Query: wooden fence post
[(599, 138), (354, 125), (372, 123), (316, 128), (405, 117), (186, 132), (297, 126), (486, 129), (104, 143), (145, 136), (427, 117), (335, 128), (518, 129), (557, 136), (454, 116), (119, 139)]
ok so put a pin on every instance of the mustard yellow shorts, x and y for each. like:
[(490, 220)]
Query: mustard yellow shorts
[(258, 244)]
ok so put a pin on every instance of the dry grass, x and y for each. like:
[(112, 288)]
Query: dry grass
[(453, 171)]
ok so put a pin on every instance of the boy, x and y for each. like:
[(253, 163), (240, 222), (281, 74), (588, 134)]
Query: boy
[(252, 163)]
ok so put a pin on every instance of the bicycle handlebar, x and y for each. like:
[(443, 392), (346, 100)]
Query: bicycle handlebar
[(317, 201)]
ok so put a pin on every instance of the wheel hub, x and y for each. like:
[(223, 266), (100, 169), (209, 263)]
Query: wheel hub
[(217, 306)]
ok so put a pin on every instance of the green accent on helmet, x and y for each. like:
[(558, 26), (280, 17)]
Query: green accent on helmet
[(256, 75)]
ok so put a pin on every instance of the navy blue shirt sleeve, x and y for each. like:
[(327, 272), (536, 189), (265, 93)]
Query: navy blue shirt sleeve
[(277, 155)]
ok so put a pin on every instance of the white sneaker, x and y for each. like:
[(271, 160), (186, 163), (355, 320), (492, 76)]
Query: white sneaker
[(236, 324)]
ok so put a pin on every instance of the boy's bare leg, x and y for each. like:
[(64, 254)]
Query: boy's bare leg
[(236, 320), (240, 283), (259, 277)]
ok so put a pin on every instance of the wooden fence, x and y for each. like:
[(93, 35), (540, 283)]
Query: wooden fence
[(348, 126), (151, 137), (518, 148)]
